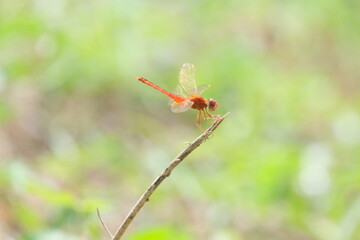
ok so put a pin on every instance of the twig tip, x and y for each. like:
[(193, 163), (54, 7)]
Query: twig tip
[(102, 222)]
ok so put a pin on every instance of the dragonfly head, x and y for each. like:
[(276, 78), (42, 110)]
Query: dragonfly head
[(212, 104)]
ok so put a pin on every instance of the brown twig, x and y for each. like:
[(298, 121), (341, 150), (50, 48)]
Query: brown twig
[(102, 222), (145, 197)]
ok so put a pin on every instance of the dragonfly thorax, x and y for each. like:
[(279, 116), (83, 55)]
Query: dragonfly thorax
[(198, 102)]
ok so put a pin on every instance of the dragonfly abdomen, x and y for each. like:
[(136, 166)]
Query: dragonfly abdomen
[(175, 97)]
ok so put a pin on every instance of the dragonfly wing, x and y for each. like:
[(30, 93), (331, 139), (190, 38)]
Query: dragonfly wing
[(202, 88), (182, 106), (187, 78), (178, 91)]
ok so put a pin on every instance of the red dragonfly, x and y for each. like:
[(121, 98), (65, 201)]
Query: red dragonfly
[(188, 95)]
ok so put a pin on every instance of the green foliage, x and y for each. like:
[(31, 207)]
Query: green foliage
[(161, 233)]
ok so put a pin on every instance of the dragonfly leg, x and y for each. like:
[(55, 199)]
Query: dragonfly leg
[(197, 121), (204, 113), (213, 117)]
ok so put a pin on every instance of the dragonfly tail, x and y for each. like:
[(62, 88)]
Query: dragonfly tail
[(175, 97)]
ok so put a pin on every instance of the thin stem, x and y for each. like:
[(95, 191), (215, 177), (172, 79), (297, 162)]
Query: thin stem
[(145, 197), (102, 222)]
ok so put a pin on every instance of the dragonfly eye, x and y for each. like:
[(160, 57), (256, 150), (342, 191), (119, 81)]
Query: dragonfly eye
[(212, 104)]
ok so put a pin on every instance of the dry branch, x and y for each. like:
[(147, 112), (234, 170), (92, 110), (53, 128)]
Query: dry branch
[(145, 197)]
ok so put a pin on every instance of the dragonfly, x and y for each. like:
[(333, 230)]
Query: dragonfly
[(187, 95)]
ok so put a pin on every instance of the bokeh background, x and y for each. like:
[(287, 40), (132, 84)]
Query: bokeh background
[(79, 132)]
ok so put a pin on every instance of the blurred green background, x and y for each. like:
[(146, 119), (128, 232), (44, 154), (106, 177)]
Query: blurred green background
[(79, 132)]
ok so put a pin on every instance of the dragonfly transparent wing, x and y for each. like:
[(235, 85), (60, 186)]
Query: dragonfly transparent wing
[(202, 88), (182, 106), (178, 91), (187, 78)]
